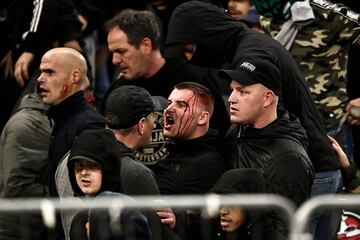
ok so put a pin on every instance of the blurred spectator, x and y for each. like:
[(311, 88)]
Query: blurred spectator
[(318, 35), (24, 149), (240, 223), (29, 29)]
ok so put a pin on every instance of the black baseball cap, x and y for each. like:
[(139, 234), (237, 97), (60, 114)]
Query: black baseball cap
[(255, 70), (126, 105)]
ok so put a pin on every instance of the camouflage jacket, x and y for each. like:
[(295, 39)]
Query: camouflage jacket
[(321, 50)]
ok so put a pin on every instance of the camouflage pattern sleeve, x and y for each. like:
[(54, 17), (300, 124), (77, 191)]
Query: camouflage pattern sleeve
[(321, 50), (342, 20)]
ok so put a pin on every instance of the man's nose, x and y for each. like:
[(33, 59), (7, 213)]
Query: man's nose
[(39, 79), (224, 211), (116, 58), (84, 171), (168, 108), (231, 97)]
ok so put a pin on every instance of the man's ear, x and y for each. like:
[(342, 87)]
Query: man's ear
[(76, 76), (146, 44), (204, 118), (141, 126), (269, 98)]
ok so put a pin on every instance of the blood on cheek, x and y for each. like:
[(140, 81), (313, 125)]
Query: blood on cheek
[(64, 90)]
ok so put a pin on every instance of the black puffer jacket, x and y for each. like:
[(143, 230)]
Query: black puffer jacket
[(278, 152), (217, 35)]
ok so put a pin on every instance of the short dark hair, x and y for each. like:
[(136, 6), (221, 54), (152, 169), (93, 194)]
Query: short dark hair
[(205, 95), (137, 25)]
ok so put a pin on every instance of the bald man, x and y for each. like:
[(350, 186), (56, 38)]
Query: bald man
[(63, 71), (62, 78)]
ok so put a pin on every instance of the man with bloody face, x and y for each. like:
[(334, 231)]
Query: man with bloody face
[(194, 163), (188, 113)]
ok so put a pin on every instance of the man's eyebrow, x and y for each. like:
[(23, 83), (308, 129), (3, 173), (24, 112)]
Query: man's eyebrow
[(119, 50), (182, 101), (46, 70)]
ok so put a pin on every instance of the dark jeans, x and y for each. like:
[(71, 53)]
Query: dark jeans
[(326, 223)]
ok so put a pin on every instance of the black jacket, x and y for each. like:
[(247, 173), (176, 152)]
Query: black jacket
[(33, 25), (278, 152), (72, 116), (217, 33), (134, 224), (192, 167)]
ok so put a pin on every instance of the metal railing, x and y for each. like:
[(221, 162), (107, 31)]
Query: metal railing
[(298, 219), (209, 204), (303, 215)]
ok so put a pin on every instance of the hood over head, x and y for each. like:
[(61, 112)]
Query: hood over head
[(99, 145), (243, 181), (208, 26), (32, 100), (237, 181)]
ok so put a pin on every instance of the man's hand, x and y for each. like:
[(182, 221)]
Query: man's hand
[(8, 65), (73, 44), (353, 120), (84, 22), (343, 159), (167, 216), (22, 67)]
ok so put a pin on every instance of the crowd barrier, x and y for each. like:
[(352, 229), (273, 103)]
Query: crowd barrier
[(298, 219)]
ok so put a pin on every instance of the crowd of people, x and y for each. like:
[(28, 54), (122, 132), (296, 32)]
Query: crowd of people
[(178, 97)]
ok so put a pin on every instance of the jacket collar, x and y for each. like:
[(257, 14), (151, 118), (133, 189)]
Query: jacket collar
[(67, 107)]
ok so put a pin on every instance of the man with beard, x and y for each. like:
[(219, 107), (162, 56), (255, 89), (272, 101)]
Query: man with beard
[(194, 163)]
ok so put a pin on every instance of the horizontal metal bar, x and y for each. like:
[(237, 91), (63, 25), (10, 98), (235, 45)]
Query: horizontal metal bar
[(303, 215)]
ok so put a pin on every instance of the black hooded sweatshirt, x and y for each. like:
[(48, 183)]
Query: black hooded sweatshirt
[(258, 225), (212, 29), (102, 147)]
